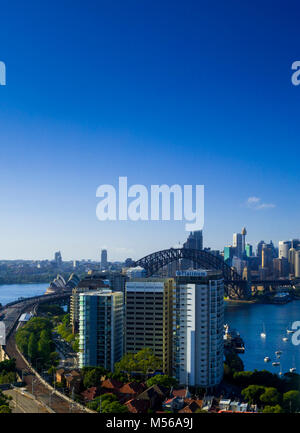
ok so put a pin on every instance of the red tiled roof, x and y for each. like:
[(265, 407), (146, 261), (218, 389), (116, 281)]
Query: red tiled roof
[(132, 388), (90, 393), (111, 384), (192, 407), (137, 406)]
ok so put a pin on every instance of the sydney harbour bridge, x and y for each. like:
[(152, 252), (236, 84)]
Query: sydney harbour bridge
[(235, 285)]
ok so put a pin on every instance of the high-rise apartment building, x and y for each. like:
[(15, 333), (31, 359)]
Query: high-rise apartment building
[(101, 328), (148, 318), (198, 328)]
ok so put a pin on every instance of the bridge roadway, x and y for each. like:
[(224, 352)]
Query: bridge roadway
[(11, 314)]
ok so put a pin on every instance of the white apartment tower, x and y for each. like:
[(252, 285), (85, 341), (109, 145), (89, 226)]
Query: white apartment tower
[(198, 328)]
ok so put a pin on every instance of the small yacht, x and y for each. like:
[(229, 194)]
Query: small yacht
[(285, 339), (293, 369), (275, 364), (278, 353), (267, 359), (263, 333), (290, 331)]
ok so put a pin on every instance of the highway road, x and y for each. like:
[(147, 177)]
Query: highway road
[(33, 384), (21, 403)]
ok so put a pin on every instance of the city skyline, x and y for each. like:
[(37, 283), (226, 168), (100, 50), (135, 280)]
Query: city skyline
[(112, 91)]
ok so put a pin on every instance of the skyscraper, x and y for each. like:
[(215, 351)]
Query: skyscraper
[(103, 259), (198, 328), (297, 264), (194, 241), (243, 233), (149, 304), (100, 328), (248, 250), (238, 244), (283, 249), (58, 258)]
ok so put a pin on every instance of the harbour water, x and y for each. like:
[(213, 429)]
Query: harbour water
[(11, 292), (250, 320)]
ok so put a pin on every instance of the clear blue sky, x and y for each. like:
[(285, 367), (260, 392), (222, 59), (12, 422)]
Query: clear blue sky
[(192, 92)]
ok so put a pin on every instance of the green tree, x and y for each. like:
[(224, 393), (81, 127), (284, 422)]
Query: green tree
[(44, 346), (163, 380), (270, 397), (234, 362), (252, 393), (143, 362), (291, 401), (5, 409), (273, 409), (32, 347), (92, 377)]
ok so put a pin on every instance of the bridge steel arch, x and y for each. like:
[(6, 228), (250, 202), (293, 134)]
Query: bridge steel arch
[(235, 286)]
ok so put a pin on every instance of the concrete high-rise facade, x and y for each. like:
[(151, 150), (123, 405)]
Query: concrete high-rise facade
[(148, 318), (283, 249), (101, 328), (198, 328)]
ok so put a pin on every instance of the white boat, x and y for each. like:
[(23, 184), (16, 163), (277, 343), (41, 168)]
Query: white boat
[(267, 359), (285, 339), (275, 364), (278, 353), (290, 331), (293, 369), (263, 334)]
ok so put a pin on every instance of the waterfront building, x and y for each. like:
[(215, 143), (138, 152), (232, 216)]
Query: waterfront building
[(281, 267), (297, 264), (148, 317), (292, 253), (198, 328), (268, 253), (101, 328)]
